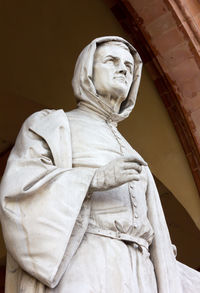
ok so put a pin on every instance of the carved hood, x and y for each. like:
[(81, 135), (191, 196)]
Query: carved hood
[(83, 86)]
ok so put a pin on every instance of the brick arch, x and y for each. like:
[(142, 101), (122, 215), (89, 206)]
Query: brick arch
[(166, 34)]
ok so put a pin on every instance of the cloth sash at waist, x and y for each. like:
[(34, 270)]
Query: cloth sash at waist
[(138, 242)]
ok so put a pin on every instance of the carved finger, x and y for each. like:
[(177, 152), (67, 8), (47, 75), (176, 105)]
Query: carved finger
[(136, 160), (130, 166), (133, 177)]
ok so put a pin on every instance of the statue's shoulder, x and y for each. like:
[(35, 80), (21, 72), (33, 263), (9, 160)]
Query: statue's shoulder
[(44, 115)]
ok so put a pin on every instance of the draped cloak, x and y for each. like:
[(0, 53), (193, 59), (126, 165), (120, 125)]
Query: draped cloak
[(46, 200)]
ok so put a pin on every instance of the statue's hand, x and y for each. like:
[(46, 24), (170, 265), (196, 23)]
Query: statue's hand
[(116, 173)]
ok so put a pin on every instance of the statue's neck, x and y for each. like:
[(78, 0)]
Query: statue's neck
[(113, 103)]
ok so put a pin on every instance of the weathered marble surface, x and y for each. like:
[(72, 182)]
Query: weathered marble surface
[(79, 208)]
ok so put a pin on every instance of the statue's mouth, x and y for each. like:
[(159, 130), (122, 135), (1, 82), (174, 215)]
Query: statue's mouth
[(121, 78)]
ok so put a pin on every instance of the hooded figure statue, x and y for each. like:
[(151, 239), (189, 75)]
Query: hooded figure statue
[(80, 210)]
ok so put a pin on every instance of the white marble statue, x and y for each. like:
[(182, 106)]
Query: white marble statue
[(79, 208)]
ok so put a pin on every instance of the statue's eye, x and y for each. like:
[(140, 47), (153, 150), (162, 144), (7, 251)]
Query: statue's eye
[(110, 59), (129, 67)]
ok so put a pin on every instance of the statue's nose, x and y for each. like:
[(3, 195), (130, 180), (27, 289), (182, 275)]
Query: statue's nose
[(122, 68), (123, 71)]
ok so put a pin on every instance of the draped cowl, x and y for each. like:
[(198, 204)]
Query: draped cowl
[(43, 200)]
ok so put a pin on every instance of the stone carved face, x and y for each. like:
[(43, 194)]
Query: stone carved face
[(113, 70)]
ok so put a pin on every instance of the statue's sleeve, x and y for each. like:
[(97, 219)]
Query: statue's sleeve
[(161, 249), (171, 275), (40, 205)]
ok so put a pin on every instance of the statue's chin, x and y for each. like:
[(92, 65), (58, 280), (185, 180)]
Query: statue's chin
[(120, 91), (114, 95), (120, 94)]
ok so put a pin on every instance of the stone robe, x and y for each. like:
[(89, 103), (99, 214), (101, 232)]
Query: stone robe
[(47, 211)]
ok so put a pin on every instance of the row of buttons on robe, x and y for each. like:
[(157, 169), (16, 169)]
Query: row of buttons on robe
[(134, 203), (131, 185), (117, 136)]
